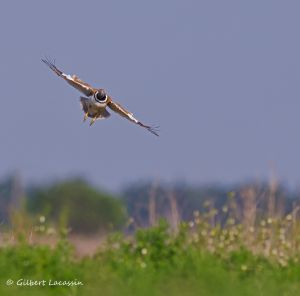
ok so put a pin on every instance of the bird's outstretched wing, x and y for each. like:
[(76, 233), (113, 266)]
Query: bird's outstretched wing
[(128, 115), (80, 85)]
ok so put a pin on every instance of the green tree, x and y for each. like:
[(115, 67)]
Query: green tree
[(77, 205)]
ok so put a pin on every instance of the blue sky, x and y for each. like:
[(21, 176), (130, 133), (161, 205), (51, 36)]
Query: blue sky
[(221, 78)]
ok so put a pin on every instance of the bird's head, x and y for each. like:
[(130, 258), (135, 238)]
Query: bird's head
[(101, 96)]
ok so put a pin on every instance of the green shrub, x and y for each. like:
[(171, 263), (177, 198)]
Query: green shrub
[(153, 262), (77, 205)]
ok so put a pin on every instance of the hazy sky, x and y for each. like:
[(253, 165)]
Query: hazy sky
[(221, 78)]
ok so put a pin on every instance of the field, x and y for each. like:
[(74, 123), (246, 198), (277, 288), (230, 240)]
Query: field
[(149, 148), (201, 257)]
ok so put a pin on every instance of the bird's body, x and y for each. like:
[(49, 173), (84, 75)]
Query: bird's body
[(95, 108), (96, 100)]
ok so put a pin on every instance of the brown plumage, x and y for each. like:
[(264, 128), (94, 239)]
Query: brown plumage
[(96, 100)]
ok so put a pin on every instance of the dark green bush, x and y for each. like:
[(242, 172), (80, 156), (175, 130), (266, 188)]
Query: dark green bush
[(77, 205)]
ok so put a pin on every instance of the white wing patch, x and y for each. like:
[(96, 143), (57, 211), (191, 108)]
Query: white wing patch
[(73, 79), (130, 115)]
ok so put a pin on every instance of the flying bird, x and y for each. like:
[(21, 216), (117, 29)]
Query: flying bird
[(96, 100)]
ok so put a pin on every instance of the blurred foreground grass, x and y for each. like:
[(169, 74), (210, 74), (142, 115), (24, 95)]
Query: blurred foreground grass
[(198, 258)]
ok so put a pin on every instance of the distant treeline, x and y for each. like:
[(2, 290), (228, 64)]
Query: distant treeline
[(147, 203), (79, 206)]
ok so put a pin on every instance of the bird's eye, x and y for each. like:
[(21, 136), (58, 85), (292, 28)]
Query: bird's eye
[(101, 96)]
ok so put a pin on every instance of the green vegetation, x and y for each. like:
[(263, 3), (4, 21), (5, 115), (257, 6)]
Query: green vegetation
[(243, 242), (76, 205), (198, 259)]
